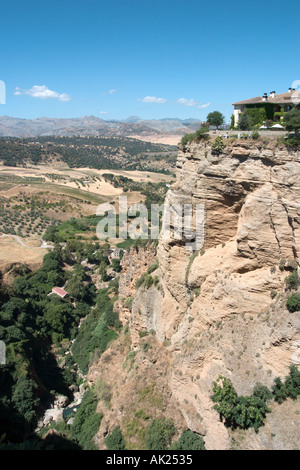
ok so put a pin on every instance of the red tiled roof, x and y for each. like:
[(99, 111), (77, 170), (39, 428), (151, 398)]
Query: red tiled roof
[(283, 98), (257, 99), (59, 291)]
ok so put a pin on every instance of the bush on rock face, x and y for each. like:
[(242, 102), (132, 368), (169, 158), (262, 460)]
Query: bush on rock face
[(115, 440), (293, 303)]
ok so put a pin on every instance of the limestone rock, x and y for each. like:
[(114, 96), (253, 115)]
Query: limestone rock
[(219, 311)]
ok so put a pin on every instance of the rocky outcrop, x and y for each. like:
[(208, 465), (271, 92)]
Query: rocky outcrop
[(134, 264), (222, 309)]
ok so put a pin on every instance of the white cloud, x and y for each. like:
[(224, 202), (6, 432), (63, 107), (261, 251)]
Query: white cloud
[(103, 112), (191, 102), (186, 102), (203, 105), (152, 99), (109, 92), (42, 92)]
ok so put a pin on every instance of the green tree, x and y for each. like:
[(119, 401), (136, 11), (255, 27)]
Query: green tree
[(245, 122), (292, 120), (215, 118), (59, 315), (292, 383), (102, 272), (24, 399), (279, 390), (115, 440), (189, 440), (225, 397), (232, 121), (159, 434), (240, 411), (87, 421), (116, 265)]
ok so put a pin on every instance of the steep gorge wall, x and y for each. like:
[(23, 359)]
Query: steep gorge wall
[(221, 310)]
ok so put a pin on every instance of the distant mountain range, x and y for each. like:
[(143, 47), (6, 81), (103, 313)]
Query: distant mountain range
[(94, 126)]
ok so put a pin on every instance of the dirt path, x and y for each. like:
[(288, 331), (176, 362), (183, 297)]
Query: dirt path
[(18, 239)]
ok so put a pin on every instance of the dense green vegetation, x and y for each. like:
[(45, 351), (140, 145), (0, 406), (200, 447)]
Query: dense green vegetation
[(189, 440), (30, 321), (289, 388), (245, 122), (253, 118), (76, 436), (65, 231), (99, 328), (115, 440), (87, 421), (201, 135), (256, 116), (291, 142), (159, 434), (293, 281), (292, 120), (93, 152), (33, 322), (243, 411), (250, 411), (155, 192)]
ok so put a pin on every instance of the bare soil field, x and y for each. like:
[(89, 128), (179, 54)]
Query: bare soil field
[(75, 178), (57, 194), (169, 139), (12, 252)]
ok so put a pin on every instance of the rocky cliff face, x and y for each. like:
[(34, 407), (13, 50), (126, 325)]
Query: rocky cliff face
[(222, 310)]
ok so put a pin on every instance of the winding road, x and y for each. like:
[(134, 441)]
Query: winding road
[(18, 239)]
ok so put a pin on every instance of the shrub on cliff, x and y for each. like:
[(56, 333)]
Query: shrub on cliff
[(293, 281), (201, 134), (189, 440), (290, 388), (292, 142), (255, 135), (87, 421), (250, 411), (115, 440), (218, 145), (240, 411), (293, 303), (159, 434)]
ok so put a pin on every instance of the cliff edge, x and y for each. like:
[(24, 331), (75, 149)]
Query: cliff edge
[(222, 310)]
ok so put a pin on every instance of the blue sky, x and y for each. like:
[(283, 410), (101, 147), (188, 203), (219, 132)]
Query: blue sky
[(150, 58)]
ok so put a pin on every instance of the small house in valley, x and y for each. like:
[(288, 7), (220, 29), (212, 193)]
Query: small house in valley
[(60, 292), (116, 253)]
